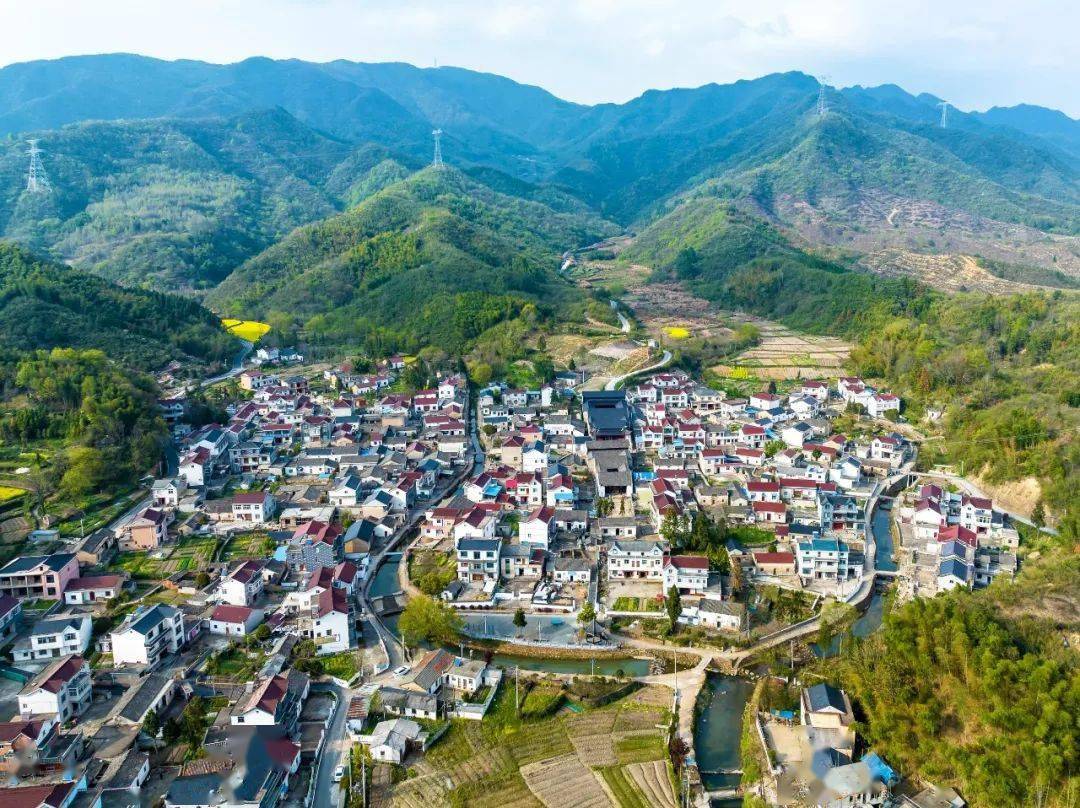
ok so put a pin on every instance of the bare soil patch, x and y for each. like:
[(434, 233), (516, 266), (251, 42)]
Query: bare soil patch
[(565, 780), (653, 781)]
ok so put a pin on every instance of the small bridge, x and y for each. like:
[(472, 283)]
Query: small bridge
[(389, 604)]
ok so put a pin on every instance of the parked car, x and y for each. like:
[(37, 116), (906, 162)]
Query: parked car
[(401, 670), (339, 774)]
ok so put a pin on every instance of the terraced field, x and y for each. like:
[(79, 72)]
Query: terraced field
[(570, 758), (786, 354)]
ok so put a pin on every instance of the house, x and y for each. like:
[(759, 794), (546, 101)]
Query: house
[(253, 507), (147, 531), (427, 675), (823, 706), (565, 569), (538, 527), (466, 676), (49, 795), (234, 621), (273, 700), (396, 701), (690, 574), (21, 740), (98, 548), (636, 559), (722, 615), (323, 615), (954, 572), (10, 613), (39, 577), (774, 564), (879, 405), (478, 559), (390, 741), (244, 767), (617, 527), (57, 636), (315, 543), (772, 513), (93, 589), (61, 688), (522, 561), (823, 560), (167, 493), (243, 586), (147, 635)]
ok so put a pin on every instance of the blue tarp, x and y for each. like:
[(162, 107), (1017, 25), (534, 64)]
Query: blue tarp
[(880, 769)]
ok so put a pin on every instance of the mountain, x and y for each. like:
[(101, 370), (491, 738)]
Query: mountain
[(179, 172), (46, 305), (434, 259)]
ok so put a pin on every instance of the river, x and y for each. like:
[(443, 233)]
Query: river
[(880, 527), (386, 583), (718, 731)]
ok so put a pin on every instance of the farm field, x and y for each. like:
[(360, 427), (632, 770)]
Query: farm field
[(250, 330), (10, 492), (786, 354), (256, 544), (191, 553), (565, 759)]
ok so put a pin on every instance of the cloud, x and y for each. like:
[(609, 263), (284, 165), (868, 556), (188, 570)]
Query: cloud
[(977, 53)]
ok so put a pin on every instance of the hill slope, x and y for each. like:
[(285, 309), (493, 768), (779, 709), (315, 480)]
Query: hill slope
[(434, 259), (47, 305)]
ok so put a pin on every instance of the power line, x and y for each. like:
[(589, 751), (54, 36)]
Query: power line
[(822, 105), (944, 113)]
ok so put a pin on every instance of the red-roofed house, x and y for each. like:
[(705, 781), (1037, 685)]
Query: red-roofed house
[(234, 621), (538, 528), (62, 687), (92, 589), (50, 795), (770, 512), (775, 564)]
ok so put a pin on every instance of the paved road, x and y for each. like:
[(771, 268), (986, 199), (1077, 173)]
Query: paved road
[(237, 365), (327, 793), (613, 384)]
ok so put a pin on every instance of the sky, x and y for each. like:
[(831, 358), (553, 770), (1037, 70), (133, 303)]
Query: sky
[(973, 53)]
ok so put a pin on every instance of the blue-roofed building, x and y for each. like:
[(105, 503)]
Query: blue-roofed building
[(953, 572), (478, 559), (824, 559)]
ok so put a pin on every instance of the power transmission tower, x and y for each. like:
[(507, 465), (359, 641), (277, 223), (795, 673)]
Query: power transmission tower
[(822, 106), (944, 113), (437, 161), (36, 178)]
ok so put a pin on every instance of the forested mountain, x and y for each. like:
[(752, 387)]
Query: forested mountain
[(437, 258), (45, 305), (238, 155)]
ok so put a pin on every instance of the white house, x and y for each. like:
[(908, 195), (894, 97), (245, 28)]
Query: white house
[(62, 688), (637, 559), (390, 740), (57, 636), (167, 493), (243, 586), (478, 559), (689, 574), (92, 589), (146, 635), (254, 507), (538, 527), (234, 621), (722, 615)]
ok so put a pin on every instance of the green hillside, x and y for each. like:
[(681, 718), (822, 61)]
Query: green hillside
[(45, 305), (437, 258)]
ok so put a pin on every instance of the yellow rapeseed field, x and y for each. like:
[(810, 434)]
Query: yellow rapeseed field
[(677, 332), (251, 330)]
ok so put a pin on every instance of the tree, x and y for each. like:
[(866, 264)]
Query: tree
[(774, 447), (426, 619), (673, 604), (1038, 514), (202, 579), (604, 507), (587, 615), (151, 724), (719, 559), (519, 620), (836, 618), (738, 581)]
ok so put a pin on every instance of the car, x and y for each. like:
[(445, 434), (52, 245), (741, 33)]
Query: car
[(401, 670), (339, 774)]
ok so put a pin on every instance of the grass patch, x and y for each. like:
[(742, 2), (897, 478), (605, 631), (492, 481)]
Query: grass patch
[(632, 604), (256, 544), (343, 665), (639, 749), (626, 794), (239, 664), (139, 566)]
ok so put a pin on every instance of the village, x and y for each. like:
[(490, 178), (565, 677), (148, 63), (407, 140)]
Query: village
[(239, 626)]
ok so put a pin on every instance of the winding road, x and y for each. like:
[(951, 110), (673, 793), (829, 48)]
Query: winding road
[(613, 384)]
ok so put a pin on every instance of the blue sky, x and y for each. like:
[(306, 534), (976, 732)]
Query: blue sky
[(975, 54)]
